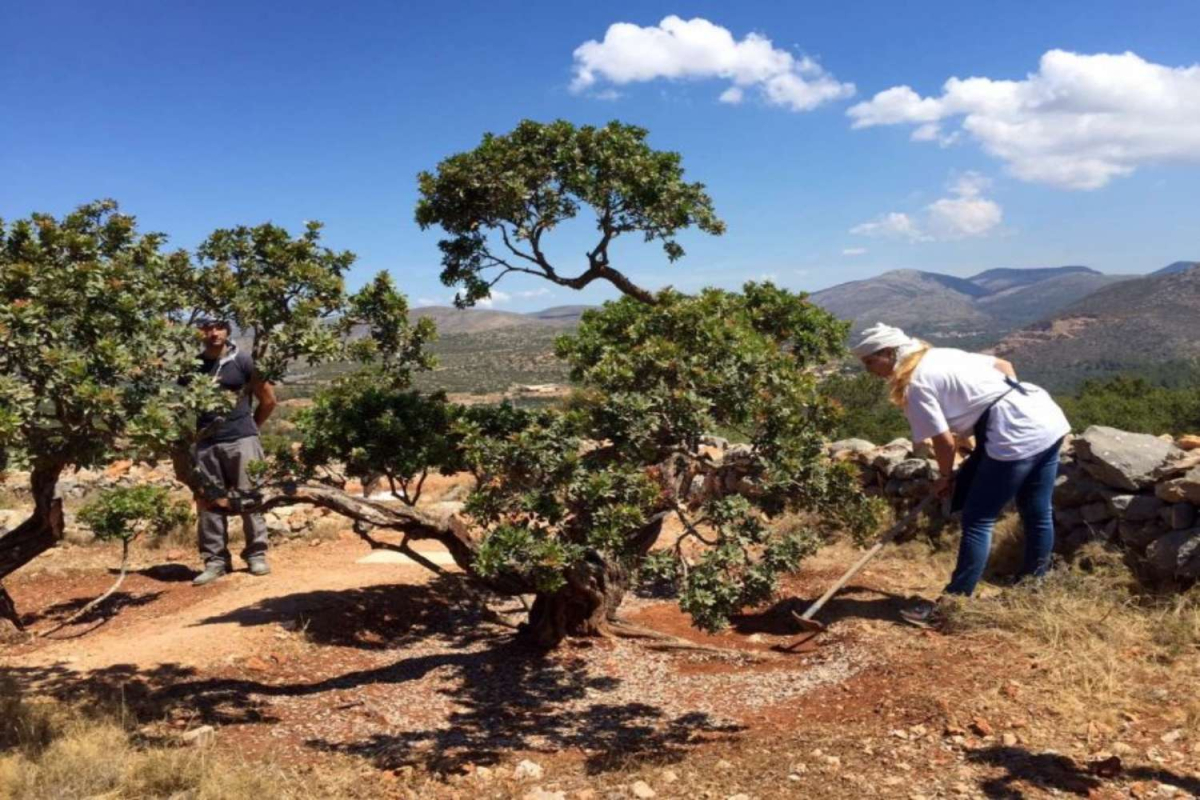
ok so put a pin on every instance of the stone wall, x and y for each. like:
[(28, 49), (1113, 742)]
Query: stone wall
[(1131, 491), (75, 487)]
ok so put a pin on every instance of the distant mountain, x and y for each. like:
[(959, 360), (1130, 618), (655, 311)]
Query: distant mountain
[(451, 320), (1178, 266), (1026, 303), (564, 316), (1129, 326), (998, 280), (974, 310), (925, 303)]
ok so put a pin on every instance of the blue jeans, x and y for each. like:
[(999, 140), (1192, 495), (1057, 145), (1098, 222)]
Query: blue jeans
[(1031, 482)]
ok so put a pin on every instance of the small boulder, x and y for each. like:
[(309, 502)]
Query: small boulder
[(1178, 516), (1175, 556), (1135, 507), (642, 790), (1139, 535), (538, 793), (198, 737), (528, 769), (1067, 518), (1190, 441), (1094, 513), (910, 469), (1120, 459), (849, 448), (886, 460), (1072, 490)]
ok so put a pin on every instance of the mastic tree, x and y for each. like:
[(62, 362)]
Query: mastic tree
[(498, 202), (577, 501), (281, 291), (568, 504), (93, 315), (96, 341)]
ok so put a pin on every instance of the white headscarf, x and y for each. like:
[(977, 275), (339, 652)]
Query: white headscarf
[(880, 337)]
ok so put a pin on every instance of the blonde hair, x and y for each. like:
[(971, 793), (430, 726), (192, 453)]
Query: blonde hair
[(902, 373)]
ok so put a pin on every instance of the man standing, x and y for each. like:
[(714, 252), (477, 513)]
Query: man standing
[(227, 444)]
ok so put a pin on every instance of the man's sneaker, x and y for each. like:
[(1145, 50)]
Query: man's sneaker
[(211, 573), (924, 614), (258, 566)]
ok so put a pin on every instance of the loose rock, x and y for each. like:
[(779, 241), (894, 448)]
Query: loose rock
[(1120, 459)]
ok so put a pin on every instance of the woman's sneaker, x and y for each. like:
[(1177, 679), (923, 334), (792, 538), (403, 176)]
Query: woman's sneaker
[(258, 566), (925, 614)]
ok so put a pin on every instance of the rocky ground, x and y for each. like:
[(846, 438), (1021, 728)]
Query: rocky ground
[(332, 664)]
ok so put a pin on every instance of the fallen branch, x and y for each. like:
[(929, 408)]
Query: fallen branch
[(665, 641), (95, 603)]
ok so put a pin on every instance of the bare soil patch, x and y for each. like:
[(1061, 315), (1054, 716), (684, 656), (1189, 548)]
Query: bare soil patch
[(331, 665)]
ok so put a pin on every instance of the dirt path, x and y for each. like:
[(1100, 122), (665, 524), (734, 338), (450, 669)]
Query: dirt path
[(164, 619), (334, 664)]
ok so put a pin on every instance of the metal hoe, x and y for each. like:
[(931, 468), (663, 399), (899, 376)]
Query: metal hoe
[(806, 621)]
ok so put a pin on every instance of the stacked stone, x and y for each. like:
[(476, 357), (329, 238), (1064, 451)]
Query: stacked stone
[(899, 471), (1134, 491)]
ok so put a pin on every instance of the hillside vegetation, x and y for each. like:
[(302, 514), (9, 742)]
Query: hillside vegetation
[(969, 312), (1127, 327)]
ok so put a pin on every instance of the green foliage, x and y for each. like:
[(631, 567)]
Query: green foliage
[(654, 379), (1135, 404), (497, 201), (285, 290), (91, 333), (866, 411), (397, 347), (375, 428), (126, 512)]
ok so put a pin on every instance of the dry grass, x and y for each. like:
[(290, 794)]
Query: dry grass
[(48, 749), (1107, 648)]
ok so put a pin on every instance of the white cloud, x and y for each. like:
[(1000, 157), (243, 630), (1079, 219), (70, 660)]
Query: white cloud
[(854, 251), (965, 214), (893, 225), (1076, 123), (697, 49), (498, 298)]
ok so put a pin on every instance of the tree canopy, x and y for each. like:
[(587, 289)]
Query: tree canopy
[(497, 202)]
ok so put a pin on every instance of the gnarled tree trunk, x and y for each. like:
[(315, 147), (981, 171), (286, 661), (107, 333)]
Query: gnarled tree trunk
[(594, 590), (43, 530), (583, 607)]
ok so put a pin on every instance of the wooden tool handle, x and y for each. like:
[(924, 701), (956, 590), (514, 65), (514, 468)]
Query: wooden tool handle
[(887, 537)]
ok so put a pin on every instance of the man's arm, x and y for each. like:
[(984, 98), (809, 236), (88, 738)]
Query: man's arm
[(264, 393), (1006, 367)]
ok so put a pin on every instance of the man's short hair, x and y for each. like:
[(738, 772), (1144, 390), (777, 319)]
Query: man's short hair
[(214, 322)]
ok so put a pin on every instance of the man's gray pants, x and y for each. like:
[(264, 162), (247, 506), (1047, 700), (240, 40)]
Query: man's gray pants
[(224, 463)]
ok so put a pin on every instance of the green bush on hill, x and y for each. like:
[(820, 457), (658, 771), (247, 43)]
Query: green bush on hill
[(1136, 404), (866, 411)]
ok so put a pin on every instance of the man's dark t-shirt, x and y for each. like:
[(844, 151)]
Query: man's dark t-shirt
[(235, 373)]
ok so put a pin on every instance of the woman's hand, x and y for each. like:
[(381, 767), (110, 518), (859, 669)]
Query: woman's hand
[(943, 487)]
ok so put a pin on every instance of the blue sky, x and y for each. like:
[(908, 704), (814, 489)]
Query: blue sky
[(201, 115)]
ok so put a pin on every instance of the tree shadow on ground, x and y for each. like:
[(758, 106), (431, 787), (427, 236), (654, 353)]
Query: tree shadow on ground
[(167, 573), (778, 620), (97, 616), (1057, 773), (500, 695), (370, 618)]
